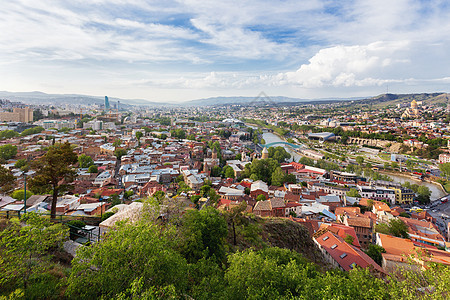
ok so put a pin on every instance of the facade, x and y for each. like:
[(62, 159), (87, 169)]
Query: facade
[(107, 106), (444, 158), (378, 193), (265, 153), (413, 111), (340, 254), (23, 115), (403, 195), (363, 227), (259, 188)]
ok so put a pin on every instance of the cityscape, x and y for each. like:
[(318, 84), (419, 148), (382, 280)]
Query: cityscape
[(257, 150)]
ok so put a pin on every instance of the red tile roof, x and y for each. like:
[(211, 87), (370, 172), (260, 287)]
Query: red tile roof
[(344, 254)]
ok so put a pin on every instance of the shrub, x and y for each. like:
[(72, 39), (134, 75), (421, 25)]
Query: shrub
[(107, 215)]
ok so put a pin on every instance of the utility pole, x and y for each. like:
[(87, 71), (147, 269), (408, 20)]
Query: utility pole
[(25, 193)]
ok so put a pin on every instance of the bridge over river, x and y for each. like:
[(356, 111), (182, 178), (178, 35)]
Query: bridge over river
[(281, 143)]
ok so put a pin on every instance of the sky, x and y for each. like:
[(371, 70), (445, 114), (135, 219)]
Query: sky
[(172, 51)]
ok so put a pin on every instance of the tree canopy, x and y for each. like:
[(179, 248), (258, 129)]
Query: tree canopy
[(85, 161), (261, 169), (7, 180), (54, 172), (7, 152), (279, 154)]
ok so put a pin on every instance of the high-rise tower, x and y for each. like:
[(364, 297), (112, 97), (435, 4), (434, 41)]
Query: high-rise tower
[(107, 107)]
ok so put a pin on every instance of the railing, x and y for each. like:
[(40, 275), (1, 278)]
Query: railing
[(89, 220), (76, 233)]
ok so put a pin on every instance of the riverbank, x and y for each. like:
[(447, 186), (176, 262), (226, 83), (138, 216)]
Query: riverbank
[(437, 190)]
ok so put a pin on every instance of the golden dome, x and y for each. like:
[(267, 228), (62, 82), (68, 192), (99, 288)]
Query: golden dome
[(414, 104)]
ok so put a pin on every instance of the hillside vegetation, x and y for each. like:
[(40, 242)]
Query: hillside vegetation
[(394, 99), (202, 254)]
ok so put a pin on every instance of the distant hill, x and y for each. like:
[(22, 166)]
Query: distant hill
[(383, 100), (37, 98), (394, 99), (260, 100)]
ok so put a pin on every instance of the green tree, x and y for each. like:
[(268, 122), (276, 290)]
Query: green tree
[(204, 190), (261, 169), (31, 131), (272, 273), (20, 194), (54, 172), (93, 169), (394, 165), (374, 251), (359, 160), (290, 178), (178, 133), (395, 227), (117, 143), (247, 191), (21, 163), (278, 177), (203, 235), (279, 154), (159, 195), (228, 172), (349, 239), (8, 134), (7, 180), (306, 161), (130, 252), (445, 169), (353, 193), (7, 152), (64, 130), (216, 171), (423, 194), (261, 197), (139, 135), (234, 218), (398, 228), (85, 161), (128, 194), (213, 196), (119, 152), (25, 250)]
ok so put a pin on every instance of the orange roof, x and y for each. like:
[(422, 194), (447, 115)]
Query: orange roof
[(348, 209), (342, 231), (344, 254), (423, 228), (381, 206), (398, 248)]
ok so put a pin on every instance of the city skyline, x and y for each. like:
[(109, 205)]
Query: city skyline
[(182, 50)]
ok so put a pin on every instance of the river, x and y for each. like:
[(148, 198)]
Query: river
[(273, 138), (436, 191)]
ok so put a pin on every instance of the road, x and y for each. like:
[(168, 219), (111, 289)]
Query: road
[(441, 212)]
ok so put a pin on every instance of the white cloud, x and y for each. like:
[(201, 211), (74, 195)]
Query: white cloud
[(346, 65), (202, 46)]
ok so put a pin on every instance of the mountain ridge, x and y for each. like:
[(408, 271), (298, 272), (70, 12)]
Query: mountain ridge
[(38, 97)]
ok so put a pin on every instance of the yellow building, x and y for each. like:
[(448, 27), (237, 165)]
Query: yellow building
[(413, 111), (403, 195), (265, 153)]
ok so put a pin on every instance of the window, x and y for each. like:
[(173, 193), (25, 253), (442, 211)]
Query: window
[(353, 265), (343, 255), (325, 238), (334, 246)]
